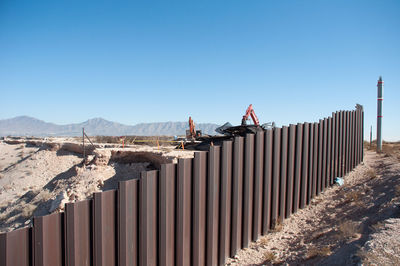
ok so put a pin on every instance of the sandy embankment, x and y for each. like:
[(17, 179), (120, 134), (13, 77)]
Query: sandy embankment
[(39, 178)]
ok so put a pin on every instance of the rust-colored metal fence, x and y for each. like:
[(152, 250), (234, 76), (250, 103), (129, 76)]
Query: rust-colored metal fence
[(202, 210)]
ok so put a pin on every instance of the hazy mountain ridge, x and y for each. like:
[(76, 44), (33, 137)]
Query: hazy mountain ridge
[(29, 126)]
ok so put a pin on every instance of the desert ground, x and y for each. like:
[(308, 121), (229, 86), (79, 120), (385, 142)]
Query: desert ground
[(39, 176), (358, 222)]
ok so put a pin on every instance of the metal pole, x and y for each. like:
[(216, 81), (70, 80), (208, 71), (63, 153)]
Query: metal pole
[(83, 141), (379, 117), (370, 139)]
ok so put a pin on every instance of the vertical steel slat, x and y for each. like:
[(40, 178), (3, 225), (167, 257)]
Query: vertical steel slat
[(276, 176), (283, 174), (341, 135), (360, 140), (78, 233), (267, 182), (310, 163), (320, 157), (225, 202), (199, 208), (343, 162), (357, 138), (290, 170), (148, 229), (16, 247), (258, 185), (324, 153), (237, 195), (128, 212), (328, 155), (248, 190), (315, 161), (350, 141), (334, 146), (183, 212), (48, 237), (297, 171), (353, 139), (166, 201), (362, 135), (338, 140), (304, 166), (338, 131), (213, 183), (347, 141), (105, 237)]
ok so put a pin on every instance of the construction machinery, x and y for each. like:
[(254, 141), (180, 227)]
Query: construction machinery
[(192, 133), (250, 112), (196, 141)]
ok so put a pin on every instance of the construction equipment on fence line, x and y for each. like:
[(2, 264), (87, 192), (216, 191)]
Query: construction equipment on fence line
[(197, 141), (192, 133)]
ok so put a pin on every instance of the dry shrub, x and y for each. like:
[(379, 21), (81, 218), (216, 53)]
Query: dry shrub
[(44, 196), (28, 210), (269, 256), (3, 216), (277, 226), (352, 196), (371, 173), (263, 241), (318, 252), (349, 229)]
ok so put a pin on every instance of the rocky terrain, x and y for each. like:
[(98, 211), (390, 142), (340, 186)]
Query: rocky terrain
[(38, 177)]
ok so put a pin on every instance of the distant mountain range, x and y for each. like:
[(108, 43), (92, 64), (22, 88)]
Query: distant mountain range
[(29, 126)]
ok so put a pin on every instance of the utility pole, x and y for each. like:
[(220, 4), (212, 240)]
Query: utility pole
[(379, 117)]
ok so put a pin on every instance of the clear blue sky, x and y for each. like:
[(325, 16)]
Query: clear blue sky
[(132, 62)]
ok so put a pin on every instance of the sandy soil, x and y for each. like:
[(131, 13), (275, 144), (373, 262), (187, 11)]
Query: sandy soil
[(39, 179), (346, 225)]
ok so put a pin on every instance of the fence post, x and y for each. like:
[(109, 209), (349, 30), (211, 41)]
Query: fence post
[(199, 208), (275, 176), (258, 185), (148, 218), (267, 181), (237, 195), (225, 204), (248, 190), (304, 166), (290, 171), (213, 185), (183, 212), (167, 201)]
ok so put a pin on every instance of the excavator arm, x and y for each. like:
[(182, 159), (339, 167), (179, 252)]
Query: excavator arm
[(250, 112)]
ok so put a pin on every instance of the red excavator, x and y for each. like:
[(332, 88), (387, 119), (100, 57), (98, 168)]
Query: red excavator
[(250, 112), (192, 133), (199, 142)]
